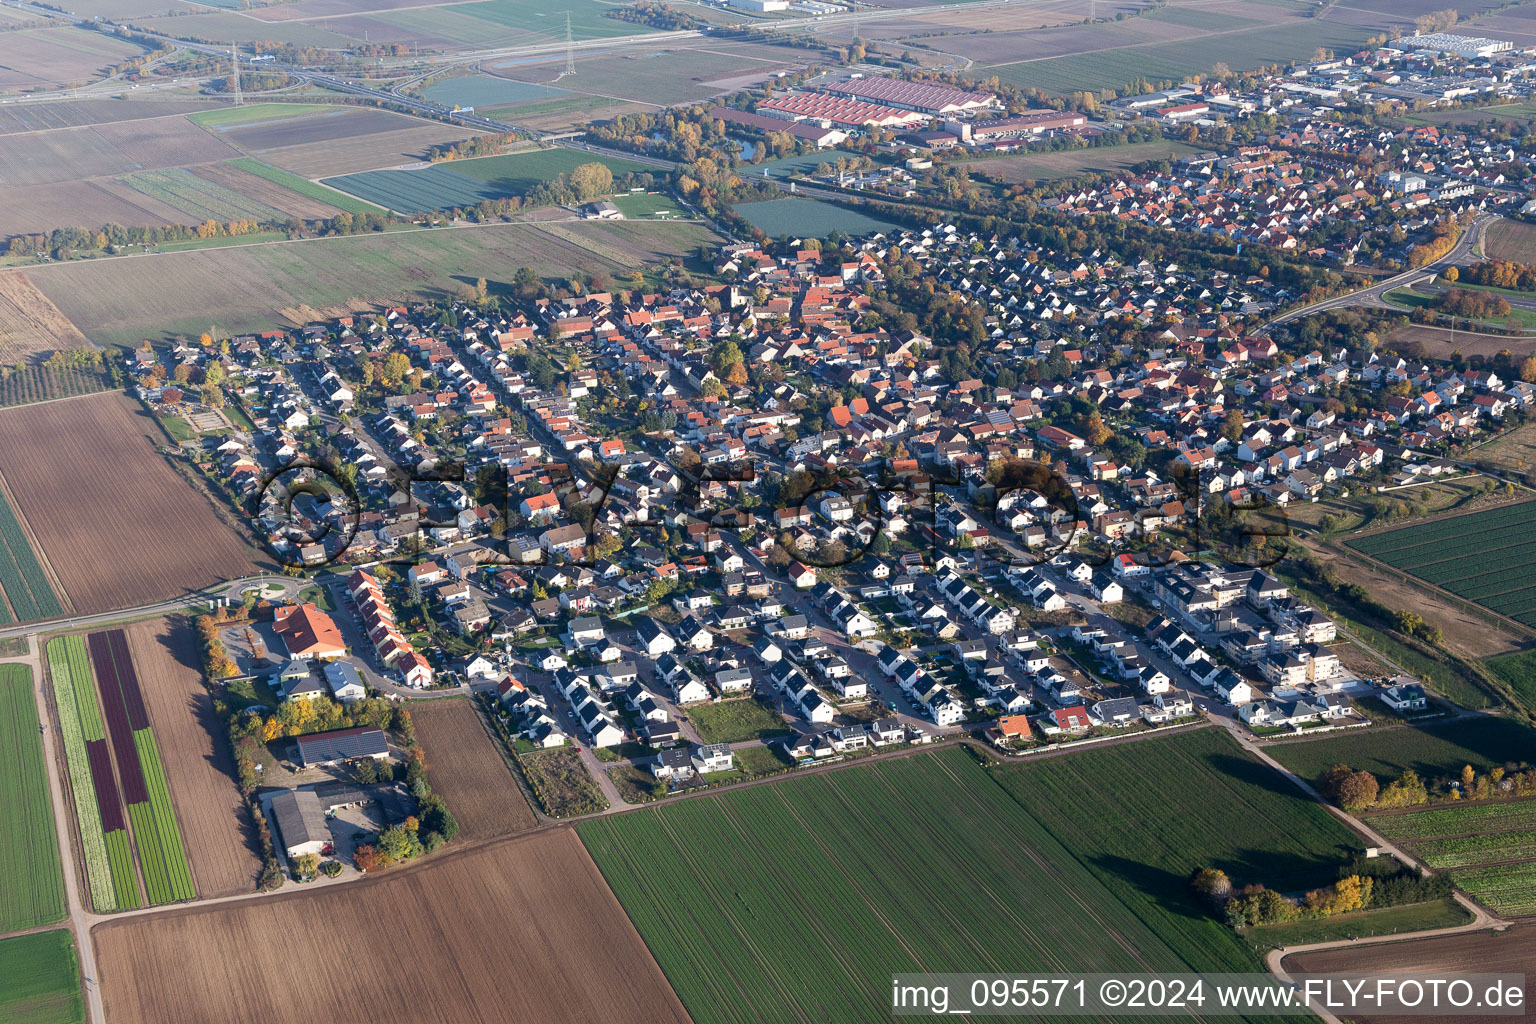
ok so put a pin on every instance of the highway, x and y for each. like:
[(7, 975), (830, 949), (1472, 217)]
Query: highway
[(1373, 295)]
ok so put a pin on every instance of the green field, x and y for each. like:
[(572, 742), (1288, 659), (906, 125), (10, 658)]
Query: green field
[(805, 163), (808, 217), (823, 886), (1466, 851), (303, 186), (1143, 816), (257, 113), (1457, 820), (40, 982), (31, 879), (1471, 838), (21, 577), (547, 17), (1434, 751), (1240, 50), (733, 721), (1508, 889), (462, 183), (1519, 671), (1486, 557), (167, 875)]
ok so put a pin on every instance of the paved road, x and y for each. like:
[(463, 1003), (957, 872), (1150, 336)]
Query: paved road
[(232, 589), (1372, 295)]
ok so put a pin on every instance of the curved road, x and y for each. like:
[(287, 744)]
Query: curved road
[(1372, 295)]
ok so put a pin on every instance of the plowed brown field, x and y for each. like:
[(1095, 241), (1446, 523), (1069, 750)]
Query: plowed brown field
[(1509, 952), (523, 929), (468, 772), (29, 324), (119, 527), (214, 821)]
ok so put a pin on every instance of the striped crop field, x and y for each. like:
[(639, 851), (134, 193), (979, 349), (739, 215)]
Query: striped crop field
[(31, 879), (1489, 847), (162, 858), (462, 183), (25, 587), (824, 886), (98, 809), (1488, 557)]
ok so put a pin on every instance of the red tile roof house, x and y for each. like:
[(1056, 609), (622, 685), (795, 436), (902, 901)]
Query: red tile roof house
[(308, 633)]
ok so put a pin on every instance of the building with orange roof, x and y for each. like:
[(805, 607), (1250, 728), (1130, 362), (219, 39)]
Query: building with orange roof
[(308, 633)]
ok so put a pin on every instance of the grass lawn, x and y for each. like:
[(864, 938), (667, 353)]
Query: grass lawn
[(1432, 750), (639, 205), (760, 760), (823, 886), (1411, 918), (733, 721), (460, 183), (31, 880), (41, 980)]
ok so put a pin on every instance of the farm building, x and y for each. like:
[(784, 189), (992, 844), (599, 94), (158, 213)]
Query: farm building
[(324, 748), (300, 822)]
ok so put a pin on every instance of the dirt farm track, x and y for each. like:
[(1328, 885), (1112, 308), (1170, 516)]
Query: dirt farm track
[(524, 928), (116, 524), (1512, 951)]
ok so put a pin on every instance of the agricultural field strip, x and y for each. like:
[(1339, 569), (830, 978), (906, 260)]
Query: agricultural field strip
[(825, 841), (1441, 529), (1506, 889), (43, 383), (33, 889), (1458, 820), (1113, 809), (21, 577), (1466, 836), (1465, 851), (41, 984), (69, 672), (461, 183), (303, 186), (200, 197), (162, 859)]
